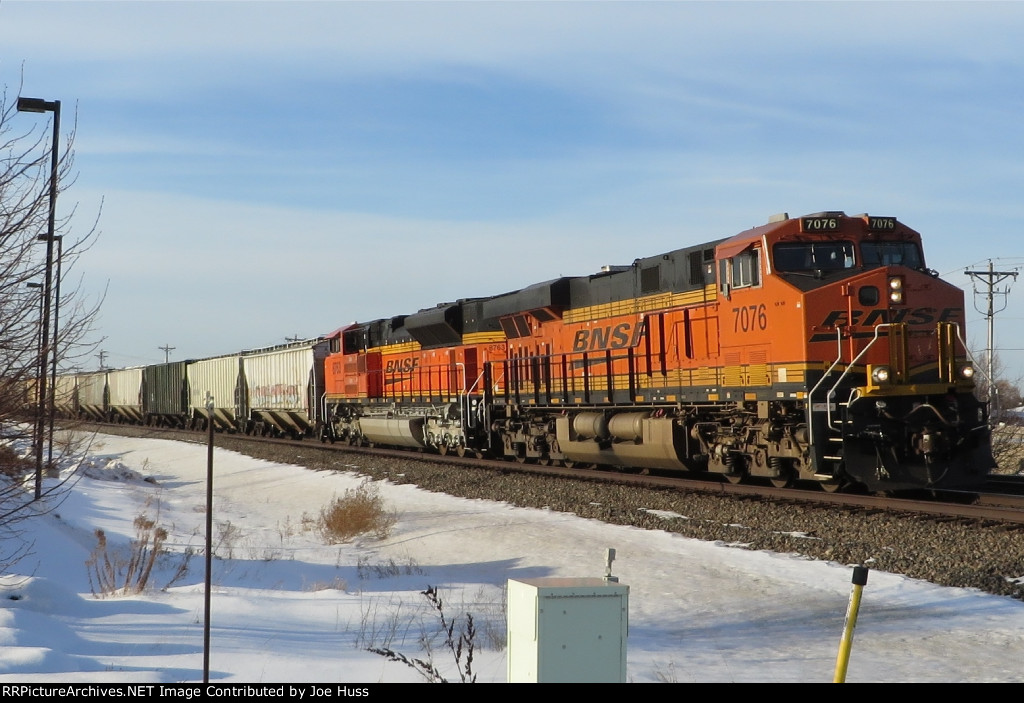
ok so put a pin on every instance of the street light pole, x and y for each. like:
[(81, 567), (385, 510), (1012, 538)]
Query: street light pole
[(39, 105), (37, 444), (53, 361)]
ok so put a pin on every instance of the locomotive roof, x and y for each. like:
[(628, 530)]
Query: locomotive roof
[(819, 224), (669, 271)]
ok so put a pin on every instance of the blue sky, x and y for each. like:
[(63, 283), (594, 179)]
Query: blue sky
[(272, 169)]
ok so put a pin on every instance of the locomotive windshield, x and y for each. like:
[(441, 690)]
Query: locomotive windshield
[(891, 254), (813, 256)]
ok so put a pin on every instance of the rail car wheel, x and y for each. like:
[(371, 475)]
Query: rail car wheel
[(734, 478), (569, 464), (544, 461)]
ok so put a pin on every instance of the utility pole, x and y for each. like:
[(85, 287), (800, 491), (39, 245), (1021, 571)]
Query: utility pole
[(991, 278), (102, 356), (167, 349)]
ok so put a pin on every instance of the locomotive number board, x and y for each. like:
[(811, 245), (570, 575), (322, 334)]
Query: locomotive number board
[(832, 224), (819, 224), (882, 224)]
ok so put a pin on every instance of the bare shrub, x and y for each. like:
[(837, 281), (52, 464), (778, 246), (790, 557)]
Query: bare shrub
[(1008, 448), (227, 537), (492, 619), (360, 511), (13, 465), (460, 644), (381, 622)]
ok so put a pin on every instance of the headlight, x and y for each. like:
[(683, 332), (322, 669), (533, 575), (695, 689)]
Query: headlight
[(896, 290), (967, 372), (880, 375)]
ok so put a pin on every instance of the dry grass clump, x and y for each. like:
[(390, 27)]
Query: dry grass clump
[(360, 511), (125, 572)]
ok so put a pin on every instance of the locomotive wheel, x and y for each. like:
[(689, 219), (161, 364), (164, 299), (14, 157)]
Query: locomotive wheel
[(461, 450), (544, 461), (784, 479), (734, 478), (442, 449), (831, 486), (568, 464)]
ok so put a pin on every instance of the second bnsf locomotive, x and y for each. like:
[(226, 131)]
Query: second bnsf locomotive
[(816, 348)]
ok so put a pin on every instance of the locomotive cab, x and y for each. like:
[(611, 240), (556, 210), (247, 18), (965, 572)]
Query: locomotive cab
[(847, 319)]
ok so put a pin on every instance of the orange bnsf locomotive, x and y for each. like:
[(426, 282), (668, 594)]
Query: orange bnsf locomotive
[(817, 348)]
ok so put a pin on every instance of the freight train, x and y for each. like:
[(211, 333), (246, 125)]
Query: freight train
[(810, 349)]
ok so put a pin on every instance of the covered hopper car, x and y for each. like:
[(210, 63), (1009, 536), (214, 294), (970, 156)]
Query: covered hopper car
[(268, 391)]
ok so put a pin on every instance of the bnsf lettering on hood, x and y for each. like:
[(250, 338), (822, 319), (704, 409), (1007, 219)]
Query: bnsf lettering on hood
[(620, 336), (915, 316), (402, 365)]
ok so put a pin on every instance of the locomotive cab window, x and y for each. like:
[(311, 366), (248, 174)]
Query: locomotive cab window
[(744, 269), (891, 254), (740, 271), (813, 256)]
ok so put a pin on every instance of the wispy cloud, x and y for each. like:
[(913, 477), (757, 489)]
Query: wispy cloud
[(429, 151)]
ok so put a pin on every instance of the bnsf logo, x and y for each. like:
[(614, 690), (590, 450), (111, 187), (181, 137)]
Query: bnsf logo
[(401, 365), (621, 336), (917, 316)]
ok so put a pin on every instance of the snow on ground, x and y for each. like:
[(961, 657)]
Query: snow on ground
[(288, 608)]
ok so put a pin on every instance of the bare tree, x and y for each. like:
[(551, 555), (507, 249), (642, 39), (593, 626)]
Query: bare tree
[(1004, 396), (25, 211)]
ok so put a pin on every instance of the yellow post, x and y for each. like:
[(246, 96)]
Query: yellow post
[(860, 579)]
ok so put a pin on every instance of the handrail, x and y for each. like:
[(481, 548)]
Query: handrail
[(993, 389), (846, 371), (832, 391), (810, 393)]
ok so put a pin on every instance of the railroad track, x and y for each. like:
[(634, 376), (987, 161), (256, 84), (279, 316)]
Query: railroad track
[(1002, 502)]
